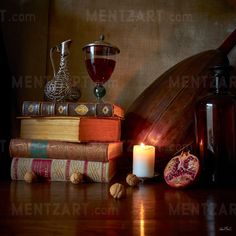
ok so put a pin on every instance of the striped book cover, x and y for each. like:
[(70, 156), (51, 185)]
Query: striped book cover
[(61, 170)]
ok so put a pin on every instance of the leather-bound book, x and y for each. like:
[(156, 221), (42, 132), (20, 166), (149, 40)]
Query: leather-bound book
[(71, 129), (40, 108), (65, 150), (61, 170)]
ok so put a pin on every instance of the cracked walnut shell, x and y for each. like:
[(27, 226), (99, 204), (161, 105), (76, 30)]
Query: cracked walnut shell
[(117, 190), (132, 180), (76, 178), (30, 177)]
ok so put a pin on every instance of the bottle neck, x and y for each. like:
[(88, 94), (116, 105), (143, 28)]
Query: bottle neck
[(220, 85), (220, 78)]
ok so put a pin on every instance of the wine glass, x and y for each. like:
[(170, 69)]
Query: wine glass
[(100, 63)]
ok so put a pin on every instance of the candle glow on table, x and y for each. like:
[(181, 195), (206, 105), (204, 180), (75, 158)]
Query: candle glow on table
[(143, 160)]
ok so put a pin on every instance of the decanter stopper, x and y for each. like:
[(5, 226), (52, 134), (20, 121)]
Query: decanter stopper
[(60, 87)]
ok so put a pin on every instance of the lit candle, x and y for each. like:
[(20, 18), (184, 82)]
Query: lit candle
[(143, 160)]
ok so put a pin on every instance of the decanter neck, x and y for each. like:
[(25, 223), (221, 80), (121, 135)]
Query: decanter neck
[(220, 85), (220, 78), (63, 63)]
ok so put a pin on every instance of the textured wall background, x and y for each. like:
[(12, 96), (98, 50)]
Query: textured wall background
[(152, 35)]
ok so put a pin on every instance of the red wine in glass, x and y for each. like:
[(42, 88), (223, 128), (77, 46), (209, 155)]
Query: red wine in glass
[(100, 63), (100, 69)]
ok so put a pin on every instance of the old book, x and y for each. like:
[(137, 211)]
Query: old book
[(71, 129), (39, 108), (65, 150), (61, 170)]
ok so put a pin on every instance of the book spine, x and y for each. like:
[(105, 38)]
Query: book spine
[(38, 108), (58, 150), (61, 170)]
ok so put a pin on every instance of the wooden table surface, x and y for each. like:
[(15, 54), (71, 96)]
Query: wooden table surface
[(61, 208)]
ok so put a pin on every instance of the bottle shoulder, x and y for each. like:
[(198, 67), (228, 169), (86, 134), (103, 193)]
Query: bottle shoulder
[(217, 99)]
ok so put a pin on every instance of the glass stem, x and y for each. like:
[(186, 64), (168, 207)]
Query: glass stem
[(99, 92)]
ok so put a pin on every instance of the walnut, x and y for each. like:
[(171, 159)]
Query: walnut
[(76, 178), (117, 190), (30, 177), (132, 180)]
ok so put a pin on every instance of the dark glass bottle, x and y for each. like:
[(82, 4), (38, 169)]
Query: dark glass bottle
[(215, 128)]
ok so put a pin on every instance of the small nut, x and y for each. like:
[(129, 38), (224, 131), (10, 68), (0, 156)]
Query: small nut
[(117, 190), (30, 177), (132, 180), (76, 178)]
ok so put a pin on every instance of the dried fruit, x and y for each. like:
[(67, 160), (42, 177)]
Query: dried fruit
[(117, 190), (132, 180), (182, 171), (76, 178), (30, 177)]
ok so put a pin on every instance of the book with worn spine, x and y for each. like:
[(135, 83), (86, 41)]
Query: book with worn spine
[(71, 129), (61, 170), (41, 108), (29, 148)]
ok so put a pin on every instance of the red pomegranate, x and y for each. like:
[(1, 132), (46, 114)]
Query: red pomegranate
[(182, 171)]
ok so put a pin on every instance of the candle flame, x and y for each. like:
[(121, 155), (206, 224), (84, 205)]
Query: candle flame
[(142, 145)]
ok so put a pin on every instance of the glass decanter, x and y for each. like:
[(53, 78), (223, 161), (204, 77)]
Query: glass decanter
[(100, 63), (215, 126)]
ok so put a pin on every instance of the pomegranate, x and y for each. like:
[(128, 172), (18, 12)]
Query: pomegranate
[(182, 171)]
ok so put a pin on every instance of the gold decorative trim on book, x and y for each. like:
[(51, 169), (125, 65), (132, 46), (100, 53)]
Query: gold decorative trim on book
[(105, 110), (31, 108), (81, 110), (61, 109)]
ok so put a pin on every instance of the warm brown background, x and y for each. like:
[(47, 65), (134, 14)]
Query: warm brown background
[(152, 35)]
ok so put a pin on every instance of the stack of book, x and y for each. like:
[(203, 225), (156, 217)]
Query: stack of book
[(60, 138)]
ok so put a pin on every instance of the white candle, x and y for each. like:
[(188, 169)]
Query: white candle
[(143, 160)]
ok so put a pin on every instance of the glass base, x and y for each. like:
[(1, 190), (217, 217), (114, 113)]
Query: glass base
[(154, 178)]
